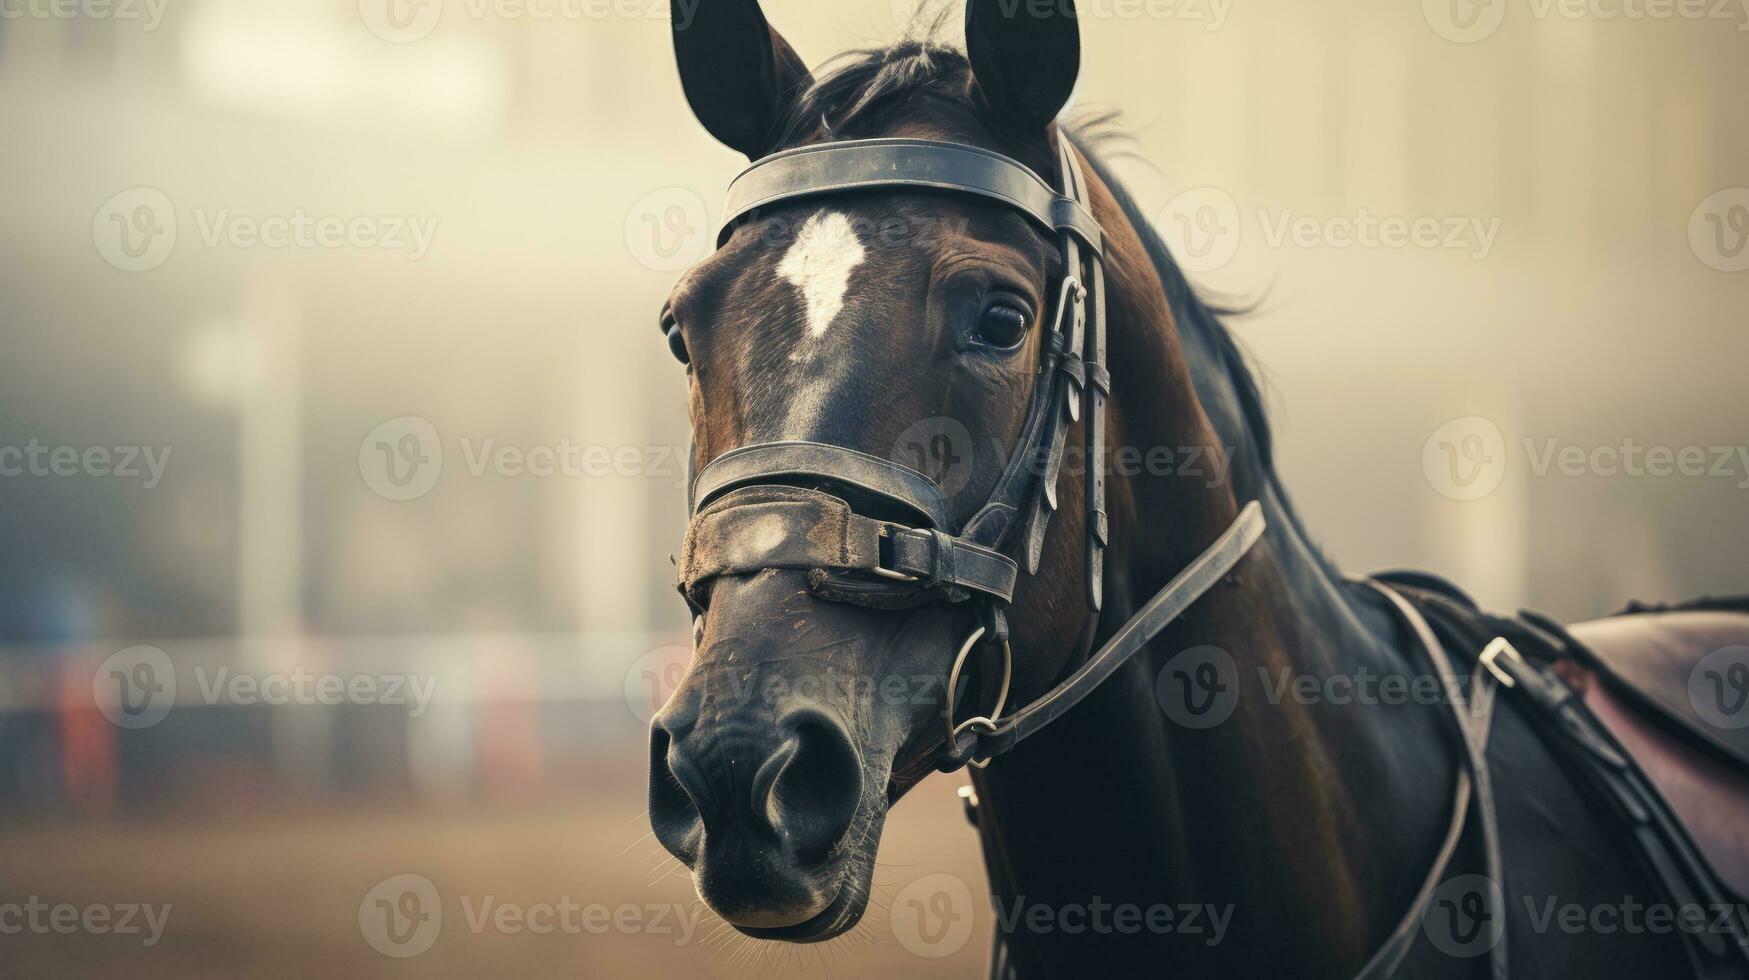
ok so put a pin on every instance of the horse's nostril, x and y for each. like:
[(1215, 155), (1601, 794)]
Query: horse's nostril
[(814, 783), (676, 798)]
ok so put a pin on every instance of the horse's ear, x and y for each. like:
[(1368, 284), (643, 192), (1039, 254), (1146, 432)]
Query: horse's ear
[(737, 72), (1025, 57)]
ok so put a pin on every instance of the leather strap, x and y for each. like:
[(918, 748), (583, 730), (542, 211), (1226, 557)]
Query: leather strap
[(769, 462), (1167, 605), (886, 164), (774, 526), (1473, 718)]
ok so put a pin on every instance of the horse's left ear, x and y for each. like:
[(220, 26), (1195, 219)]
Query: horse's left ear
[(739, 75), (1025, 57)]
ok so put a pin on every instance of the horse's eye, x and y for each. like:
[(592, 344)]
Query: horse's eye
[(1002, 325)]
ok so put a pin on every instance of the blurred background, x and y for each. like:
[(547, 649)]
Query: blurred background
[(340, 456)]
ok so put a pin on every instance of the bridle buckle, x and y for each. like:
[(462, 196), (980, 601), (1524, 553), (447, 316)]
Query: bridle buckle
[(885, 572)]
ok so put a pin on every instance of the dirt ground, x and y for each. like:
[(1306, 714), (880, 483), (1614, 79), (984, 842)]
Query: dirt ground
[(286, 891)]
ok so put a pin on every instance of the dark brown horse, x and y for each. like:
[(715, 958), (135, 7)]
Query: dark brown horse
[(896, 320)]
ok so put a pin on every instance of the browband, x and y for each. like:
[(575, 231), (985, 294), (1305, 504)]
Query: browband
[(852, 165)]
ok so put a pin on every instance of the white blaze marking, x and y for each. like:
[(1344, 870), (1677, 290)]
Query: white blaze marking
[(819, 264)]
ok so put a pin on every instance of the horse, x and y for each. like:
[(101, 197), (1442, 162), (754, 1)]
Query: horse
[(920, 257)]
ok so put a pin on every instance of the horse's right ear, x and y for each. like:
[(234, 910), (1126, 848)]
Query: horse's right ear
[(739, 74), (1025, 57)]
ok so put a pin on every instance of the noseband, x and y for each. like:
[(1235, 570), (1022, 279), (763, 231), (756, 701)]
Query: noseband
[(872, 532)]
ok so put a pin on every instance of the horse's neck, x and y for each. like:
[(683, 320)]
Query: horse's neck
[(1285, 812)]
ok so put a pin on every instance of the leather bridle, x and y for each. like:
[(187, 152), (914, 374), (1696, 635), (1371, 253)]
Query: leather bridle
[(831, 511), (873, 532)]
